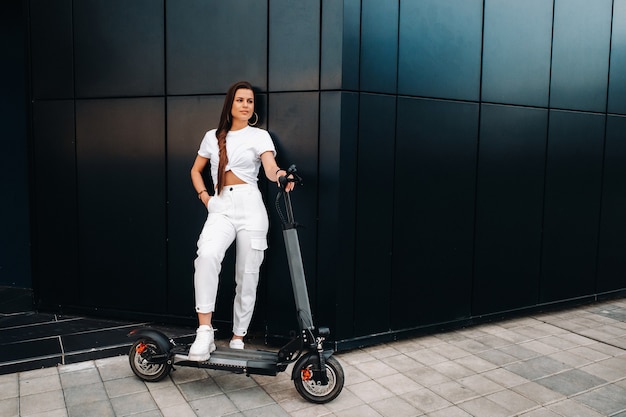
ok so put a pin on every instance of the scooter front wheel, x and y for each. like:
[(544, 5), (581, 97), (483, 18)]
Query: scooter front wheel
[(308, 383), (139, 357)]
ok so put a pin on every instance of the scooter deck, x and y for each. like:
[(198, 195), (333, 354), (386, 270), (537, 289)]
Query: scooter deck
[(248, 361)]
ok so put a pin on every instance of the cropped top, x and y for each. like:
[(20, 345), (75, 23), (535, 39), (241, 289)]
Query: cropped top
[(243, 147)]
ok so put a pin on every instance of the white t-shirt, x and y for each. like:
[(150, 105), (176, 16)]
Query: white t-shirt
[(243, 147)]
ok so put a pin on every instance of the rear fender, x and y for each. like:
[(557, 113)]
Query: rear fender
[(159, 338)]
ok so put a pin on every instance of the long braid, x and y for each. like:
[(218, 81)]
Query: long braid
[(221, 168)]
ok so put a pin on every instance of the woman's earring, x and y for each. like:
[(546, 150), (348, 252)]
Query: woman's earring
[(255, 120)]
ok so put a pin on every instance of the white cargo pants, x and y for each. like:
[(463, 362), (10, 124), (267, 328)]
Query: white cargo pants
[(238, 213)]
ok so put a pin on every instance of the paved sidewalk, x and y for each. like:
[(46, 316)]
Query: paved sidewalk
[(566, 363)]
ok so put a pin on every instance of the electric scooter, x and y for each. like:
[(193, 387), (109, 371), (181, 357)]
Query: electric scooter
[(317, 375)]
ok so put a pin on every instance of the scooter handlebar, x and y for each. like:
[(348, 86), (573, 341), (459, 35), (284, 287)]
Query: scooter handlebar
[(291, 176)]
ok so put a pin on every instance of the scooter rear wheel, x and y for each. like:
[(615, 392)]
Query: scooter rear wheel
[(307, 380), (139, 358)]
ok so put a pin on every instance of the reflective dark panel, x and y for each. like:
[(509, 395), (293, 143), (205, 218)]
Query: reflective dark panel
[(439, 50), (612, 247), (121, 194), (294, 45), (434, 191), (374, 213), (572, 205), (52, 49), (516, 52), (617, 74), (212, 44), (119, 48), (379, 46), (580, 54), (509, 207)]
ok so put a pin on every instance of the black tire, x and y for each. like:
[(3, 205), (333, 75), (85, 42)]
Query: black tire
[(151, 372), (311, 390)]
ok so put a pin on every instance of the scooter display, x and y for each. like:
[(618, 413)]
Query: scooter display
[(318, 377)]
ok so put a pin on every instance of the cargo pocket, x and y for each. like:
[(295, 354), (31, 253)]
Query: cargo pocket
[(254, 261)]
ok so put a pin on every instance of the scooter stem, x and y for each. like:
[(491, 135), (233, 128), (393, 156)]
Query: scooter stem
[(298, 281)]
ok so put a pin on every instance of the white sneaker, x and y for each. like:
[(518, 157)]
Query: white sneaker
[(204, 344), (236, 344)]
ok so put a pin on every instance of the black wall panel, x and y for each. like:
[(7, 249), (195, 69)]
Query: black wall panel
[(15, 237), (294, 45), (580, 54), (339, 121), (509, 207), (433, 231), (440, 47), (52, 49), (612, 246), (293, 122), (55, 209), (516, 52), (188, 118), (572, 204), (374, 213), (617, 72), (121, 199), (119, 48), (212, 44), (379, 46)]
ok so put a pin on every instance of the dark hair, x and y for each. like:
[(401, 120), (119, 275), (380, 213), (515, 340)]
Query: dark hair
[(224, 127)]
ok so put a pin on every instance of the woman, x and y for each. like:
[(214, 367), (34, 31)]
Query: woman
[(235, 151)]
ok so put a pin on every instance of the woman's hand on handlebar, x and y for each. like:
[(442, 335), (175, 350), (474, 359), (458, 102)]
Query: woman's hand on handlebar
[(283, 181)]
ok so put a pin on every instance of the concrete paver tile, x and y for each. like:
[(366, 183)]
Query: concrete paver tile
[(124, 386), (571, 382), (452, 370), (9, 386), (180, 410), (536, 368), (519, 352), (606, 400), (454, 392), (370, 391), (345, 400), (569, 358), (249, 398), (512, 401), (38, 385), (79, 366), (497, 357), (9, 407), (114, 368), (610, 370), (38, 373), (401, 363), (96, 408), (538, 393), (540, 412), (572, 408), (480, 384), (39, 403), (505, 378), (394, 407), (133, 404), (453, 411), (80, 378), (231, 382), (202, 388), (376, 369), (398, 383), (426, 400), (476, 363), (85, 394), (217, 405), (167, 397), (363, 410), (427, 376), (427, 357), (271, 410), (186, 374), (483, 407), (313, 410)]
